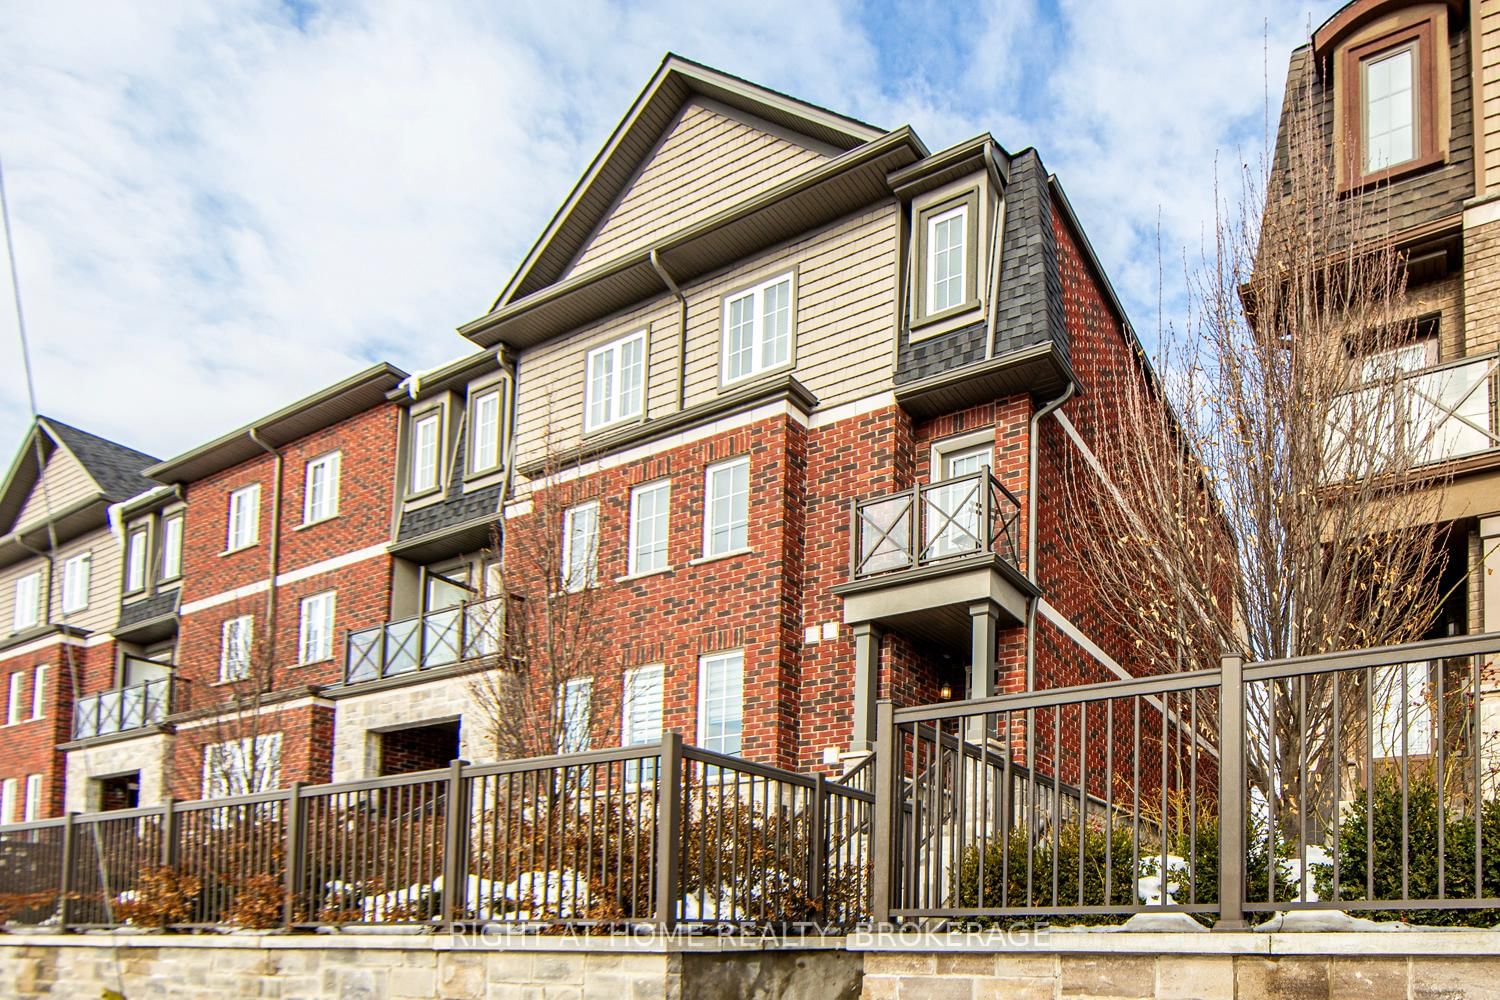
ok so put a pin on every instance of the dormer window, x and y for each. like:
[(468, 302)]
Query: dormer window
[(946, 282), (135, 560), (1393, 96), (484, 435), (1390, 108), (758, 329), (425, 429)]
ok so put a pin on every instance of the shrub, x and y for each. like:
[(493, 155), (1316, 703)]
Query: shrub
[(258, 902), (1380, 821), (162, 896)]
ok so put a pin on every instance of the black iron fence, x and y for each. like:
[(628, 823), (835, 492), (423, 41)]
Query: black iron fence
[(931, 522), (1363, 781), (654, 835)]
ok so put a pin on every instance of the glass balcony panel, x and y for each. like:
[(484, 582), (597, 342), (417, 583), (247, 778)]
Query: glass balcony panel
[(440, 638), (1450, 412), (86, 718), (884, 535), (362, 662), (484, 624), (132, 707), (950, 519), (402, 640)]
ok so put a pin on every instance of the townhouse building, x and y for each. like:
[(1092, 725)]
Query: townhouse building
[(61, 571), (790, 395), (1407, 97)]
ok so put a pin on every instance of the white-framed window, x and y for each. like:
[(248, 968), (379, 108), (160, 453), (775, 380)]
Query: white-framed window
[(235, 644), (315, 631), (33, 798), (38, 691), (1407, 359), (28, 610), (76, 573), (320, 488), (426, 450), (8, 793), (947, 249), (244, 518), (484, 436), (13, 699), (758, 329), (726, 507), (721, 709), (1403, 711), (171, 547), (580, 546), (574, 707), (641, 710), (242, 767), (135, 560), (1389, 86), (650, 509), (615, 381)]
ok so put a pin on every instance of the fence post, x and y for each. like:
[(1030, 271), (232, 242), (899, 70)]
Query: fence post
[(455, 845), (883, 847), (293, 861), (817, 840), (168, 832), (668, 831), (65, 877), (1231, 794)]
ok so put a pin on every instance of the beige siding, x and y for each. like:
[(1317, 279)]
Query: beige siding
[(1489, 95), (845, 303), (66, 482), (104, 584), (708, 160)]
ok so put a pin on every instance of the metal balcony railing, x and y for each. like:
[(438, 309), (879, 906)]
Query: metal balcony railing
[(1447, 411), (121, 709), (436, 639), (933, 522)]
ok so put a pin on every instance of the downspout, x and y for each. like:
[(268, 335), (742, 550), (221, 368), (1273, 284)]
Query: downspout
[(682, 333), (1031, 532), (275, 554)]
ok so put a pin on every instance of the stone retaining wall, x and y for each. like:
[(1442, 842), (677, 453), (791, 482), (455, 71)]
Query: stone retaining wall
[(1221, 966)]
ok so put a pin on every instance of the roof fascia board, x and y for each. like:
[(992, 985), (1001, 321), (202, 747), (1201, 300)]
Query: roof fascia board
[(980, 152), (169, 470), (851, 160), (25, 457)]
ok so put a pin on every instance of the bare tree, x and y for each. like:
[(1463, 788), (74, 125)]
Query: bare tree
[(242, 752), (544, 696), (1271, 491)]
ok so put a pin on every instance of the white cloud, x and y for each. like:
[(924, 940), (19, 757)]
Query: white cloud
[(220, 207)]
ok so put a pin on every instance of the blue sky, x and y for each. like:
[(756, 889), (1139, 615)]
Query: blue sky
[(220, 207)]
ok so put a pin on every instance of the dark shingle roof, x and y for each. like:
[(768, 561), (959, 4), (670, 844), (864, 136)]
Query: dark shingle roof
[(116, 468)]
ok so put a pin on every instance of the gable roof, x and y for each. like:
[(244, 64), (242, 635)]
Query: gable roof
[(655, 109), (114, 470)]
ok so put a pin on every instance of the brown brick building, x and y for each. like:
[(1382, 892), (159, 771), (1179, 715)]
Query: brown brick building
[(793, 394)]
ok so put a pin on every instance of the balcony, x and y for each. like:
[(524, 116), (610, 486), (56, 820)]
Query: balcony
[(122, 709), (1448, 412), (924, 559), (437, 639)]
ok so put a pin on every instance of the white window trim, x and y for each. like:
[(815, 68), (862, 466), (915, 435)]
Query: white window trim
[(756, 293), (38, 690), (13, 699), (632, 565), (591, 569), (9, 792), (333, 462), (569, 694), (217, 779), (930, 249), (703, 664), (627, 706), (708, 495), (180, 520), (941, 450), (72, 600), (331, 597), (33, 803), (231, 542), (33, 606), (246, 627), (418, 419), (142, 532), (497, 391), (617, 412), (1414, 48)]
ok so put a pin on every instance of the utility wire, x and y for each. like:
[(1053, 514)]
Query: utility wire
[(41, 466)]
